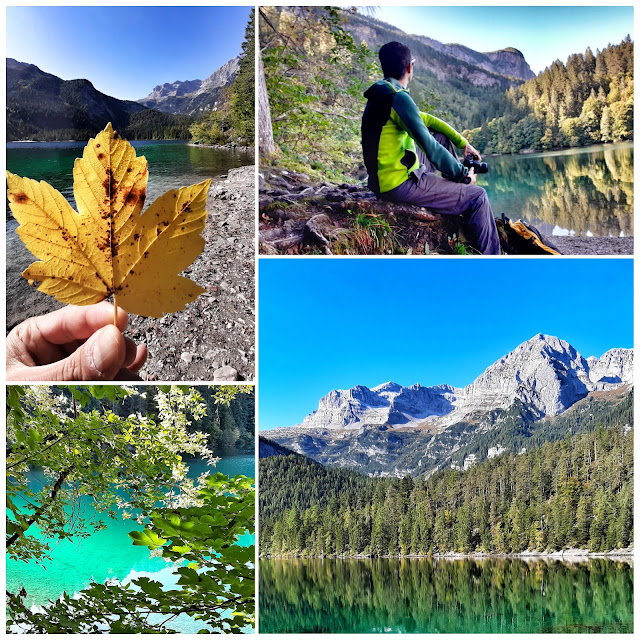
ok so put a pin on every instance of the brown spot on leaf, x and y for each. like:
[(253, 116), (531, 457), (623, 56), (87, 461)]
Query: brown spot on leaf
[(20, 198), (136, 236), (109, 185), (100, 156)]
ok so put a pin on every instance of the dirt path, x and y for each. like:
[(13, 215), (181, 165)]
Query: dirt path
[(213, 338)]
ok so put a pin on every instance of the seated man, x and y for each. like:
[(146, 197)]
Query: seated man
[(391, 128)]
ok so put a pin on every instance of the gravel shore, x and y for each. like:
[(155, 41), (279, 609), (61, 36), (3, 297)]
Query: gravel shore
[(214, 337), (593, 246)]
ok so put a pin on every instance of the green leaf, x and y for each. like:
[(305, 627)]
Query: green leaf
[(147, 538)]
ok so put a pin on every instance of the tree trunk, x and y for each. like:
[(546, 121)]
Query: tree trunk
[(266, 145)]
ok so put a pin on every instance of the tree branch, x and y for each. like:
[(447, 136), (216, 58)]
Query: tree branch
[(43, 507)]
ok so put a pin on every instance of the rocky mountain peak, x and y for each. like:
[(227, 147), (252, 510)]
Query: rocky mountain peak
[(546, 374), (387, 387), (192, 96)]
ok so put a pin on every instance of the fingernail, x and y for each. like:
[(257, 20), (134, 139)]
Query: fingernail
[(99, 354)]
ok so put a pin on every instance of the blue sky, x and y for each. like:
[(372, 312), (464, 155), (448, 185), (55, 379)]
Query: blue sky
[(332, 324), (126, 51), (542, 33)]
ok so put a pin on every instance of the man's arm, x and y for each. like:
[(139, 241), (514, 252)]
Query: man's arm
[(406, 115), (431, 122)]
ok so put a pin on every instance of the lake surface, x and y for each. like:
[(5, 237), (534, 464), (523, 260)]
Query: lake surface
[(586, 191), (172, 164), (419, 595), (109, 554)]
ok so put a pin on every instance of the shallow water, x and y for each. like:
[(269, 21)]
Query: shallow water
[(172, 164), (108, 554)]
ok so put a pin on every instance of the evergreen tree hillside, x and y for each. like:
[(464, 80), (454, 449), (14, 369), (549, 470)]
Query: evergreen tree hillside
[(576, 492), (587, 100), (44, 107), (233, 120)]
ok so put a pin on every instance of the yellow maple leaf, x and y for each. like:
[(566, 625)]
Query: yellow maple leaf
[(109, 246)]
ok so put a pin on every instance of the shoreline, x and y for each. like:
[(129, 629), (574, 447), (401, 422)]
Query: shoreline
[(225, 147), (528, 152), (85, 141), (567, 554)]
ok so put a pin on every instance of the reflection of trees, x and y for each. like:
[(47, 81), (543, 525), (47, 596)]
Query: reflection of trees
[(426, 595), (581, 192)]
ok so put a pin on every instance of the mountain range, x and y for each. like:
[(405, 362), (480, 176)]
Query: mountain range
[(498, 69), (192, 97), (396, 430), (42, 106)]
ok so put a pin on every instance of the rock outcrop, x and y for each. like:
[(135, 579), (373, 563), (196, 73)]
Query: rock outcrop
[(499, 69), (545, 374), (300, 215)]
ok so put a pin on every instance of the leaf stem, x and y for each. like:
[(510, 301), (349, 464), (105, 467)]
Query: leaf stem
[(115, 311)]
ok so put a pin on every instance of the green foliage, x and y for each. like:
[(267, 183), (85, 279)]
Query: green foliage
[(316, 73), (88, 443), (243, 89), (216, 583), (588, 100), (577, 492), (372, 234), (234, 119)]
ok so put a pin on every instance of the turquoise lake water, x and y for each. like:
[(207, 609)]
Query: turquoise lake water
[(172, 164), (109, 554)]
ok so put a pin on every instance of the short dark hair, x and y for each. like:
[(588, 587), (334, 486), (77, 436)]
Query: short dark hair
[(395, 59)]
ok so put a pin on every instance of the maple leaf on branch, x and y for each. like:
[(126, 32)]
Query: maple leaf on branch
[(109, 247)]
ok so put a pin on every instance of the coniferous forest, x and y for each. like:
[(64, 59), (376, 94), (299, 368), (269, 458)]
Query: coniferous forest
[(574, 493), (234, 120), (587, 100)]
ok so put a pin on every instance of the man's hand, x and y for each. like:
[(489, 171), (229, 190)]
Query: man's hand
[(468, 149), (74, 343), (472, 176)]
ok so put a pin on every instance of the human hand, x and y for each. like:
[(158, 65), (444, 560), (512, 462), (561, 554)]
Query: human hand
[(74, 343), (472, 176), (468, 149)]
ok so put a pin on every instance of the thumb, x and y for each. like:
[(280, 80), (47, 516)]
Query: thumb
[(99, 358)]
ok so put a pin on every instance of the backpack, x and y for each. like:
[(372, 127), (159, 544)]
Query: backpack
[(522, 238)]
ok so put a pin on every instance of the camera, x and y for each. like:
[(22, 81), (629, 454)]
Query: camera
[(471, 162)]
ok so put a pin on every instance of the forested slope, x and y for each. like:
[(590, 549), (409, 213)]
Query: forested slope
[(577, 492), (587, 100)]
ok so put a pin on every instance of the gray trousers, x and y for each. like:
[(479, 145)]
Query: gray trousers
[(426, 189)]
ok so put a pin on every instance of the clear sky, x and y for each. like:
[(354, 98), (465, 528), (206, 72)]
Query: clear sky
[(542, 33), (332, 324), (126, 51)]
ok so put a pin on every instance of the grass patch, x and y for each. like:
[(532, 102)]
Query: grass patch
[(371, 235)]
